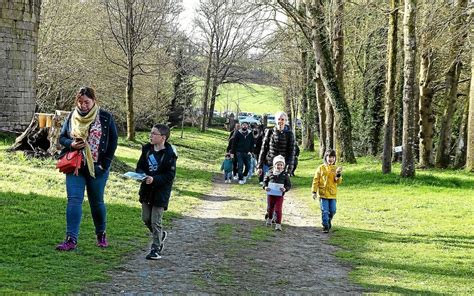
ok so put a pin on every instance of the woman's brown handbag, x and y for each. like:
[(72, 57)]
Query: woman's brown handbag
[(70, 162)]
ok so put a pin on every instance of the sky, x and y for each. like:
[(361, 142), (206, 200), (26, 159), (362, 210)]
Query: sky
[(186, 17)]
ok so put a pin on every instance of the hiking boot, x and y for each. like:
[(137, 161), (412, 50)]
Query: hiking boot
[(278, 227), (68, 244), (153, 255), (163, 238), (102, 240), (325, 229)]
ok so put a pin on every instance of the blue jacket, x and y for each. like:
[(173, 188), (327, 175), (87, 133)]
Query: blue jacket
[(108, 140)]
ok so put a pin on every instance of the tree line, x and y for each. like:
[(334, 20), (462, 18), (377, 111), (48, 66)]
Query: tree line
[(364, 76)]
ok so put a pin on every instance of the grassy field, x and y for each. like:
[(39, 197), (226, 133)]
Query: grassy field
[(406, 236), (32, 211), (254, 98)]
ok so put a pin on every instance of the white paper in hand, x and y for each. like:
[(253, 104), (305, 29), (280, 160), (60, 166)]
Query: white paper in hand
[(135, 176), (275, 189)]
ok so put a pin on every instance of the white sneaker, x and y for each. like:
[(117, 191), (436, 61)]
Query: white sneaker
[(278, 227), (236, 177), (241, 182), (268, 222), (261, 183)]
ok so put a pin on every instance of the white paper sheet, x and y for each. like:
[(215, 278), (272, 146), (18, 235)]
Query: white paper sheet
[(135, 176), (275, 189)]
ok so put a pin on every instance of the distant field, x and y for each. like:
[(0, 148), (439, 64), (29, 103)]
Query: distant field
[(254, 98)]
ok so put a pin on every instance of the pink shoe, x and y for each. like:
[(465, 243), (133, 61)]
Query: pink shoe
[(102, 240), (68, 244)]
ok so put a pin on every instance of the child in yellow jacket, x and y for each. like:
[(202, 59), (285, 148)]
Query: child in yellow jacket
[(325, 182)]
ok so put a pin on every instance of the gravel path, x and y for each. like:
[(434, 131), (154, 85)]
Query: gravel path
[(213, 252)]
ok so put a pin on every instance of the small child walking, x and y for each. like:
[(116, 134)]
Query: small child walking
[(275, 201), (227, 168), (325, 182)]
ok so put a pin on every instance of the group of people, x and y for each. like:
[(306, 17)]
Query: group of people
[(272, 152)]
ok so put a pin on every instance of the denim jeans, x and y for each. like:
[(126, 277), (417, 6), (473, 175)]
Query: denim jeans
[(328, 210), (153, 218), (75, 186), (243, 159), (227, 175)]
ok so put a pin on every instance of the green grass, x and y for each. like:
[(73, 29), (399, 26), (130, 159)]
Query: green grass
[(254, 98), (32, 211), (404, 236), (409, 236)]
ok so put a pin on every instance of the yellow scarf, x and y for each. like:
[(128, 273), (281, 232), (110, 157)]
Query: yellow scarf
[(80, 129)]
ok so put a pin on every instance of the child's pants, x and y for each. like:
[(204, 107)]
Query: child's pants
[(227, 175), (328, 210), (274, 204), (153, 218)]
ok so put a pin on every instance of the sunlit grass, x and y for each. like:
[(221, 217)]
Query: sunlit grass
[(32, 211), (409, 236)]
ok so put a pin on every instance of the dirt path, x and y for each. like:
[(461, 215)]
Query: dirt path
[(217, 250)]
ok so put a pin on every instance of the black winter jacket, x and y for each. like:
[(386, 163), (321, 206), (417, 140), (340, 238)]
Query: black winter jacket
[(281, 178), (275, 143), (163, 172), (242, 142)]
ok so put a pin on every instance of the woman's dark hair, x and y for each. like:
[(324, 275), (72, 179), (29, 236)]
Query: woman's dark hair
[(163, 129), (86, 91)]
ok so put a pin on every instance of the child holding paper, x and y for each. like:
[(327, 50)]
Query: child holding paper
[(276, 183)]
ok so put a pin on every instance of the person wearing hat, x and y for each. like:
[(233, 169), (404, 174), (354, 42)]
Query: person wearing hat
[(324, 187), (276, 179)]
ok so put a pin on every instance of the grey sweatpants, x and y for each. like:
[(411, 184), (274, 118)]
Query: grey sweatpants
[(153, 218)]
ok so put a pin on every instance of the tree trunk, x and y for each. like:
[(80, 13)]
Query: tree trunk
[(205, 96), (304, 96), (427, 117), (398, 111), (321, 103), (452, 79), (129, 103), (312, 108), (213, 101), (329, 125), (408, 157), (460, 158), (470, 122), (322, 53)]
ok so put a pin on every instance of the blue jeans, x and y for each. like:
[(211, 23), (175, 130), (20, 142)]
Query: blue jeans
[(243, 158), (75, 186), (328, 210), (227, 175)]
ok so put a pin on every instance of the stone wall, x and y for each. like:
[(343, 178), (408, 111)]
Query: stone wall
[(19, 21)]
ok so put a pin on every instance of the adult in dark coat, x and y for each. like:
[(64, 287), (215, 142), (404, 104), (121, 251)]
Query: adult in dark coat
[(278, 140), (229, 147), (242, 146)]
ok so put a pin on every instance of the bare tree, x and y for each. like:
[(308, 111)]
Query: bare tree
[(409, 44), (230, 30), (136, 27)]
